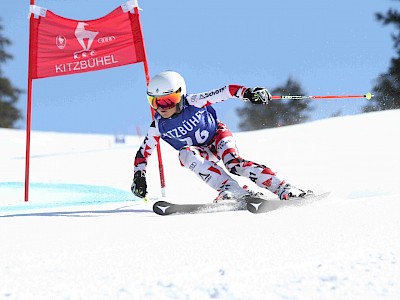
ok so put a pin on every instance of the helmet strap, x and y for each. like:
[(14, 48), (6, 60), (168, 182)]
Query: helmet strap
[(179, 106)]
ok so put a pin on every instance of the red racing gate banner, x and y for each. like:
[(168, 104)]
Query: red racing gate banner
[(60, 46), (63, 46)]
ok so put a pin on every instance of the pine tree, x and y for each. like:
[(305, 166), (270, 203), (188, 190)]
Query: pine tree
[(387, 88), (9, 114), (275, 113)]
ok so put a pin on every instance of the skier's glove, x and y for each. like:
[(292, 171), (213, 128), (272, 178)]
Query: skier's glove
[(257, 95), (139, 185)]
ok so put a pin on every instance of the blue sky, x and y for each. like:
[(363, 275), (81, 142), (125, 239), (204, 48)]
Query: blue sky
[(330, 47)]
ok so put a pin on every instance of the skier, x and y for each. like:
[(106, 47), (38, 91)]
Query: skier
[(189, 124)]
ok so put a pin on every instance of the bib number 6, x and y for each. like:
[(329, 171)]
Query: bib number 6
[(200, 136)]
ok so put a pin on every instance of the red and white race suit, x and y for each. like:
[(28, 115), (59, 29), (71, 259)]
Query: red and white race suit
[(202, 141)]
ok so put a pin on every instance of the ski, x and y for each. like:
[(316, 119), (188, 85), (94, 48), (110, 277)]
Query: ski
[(259, 205), (253, 204), (165, 208)]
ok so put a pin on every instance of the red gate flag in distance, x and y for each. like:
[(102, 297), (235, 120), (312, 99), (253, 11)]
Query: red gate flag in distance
[(63, 46)]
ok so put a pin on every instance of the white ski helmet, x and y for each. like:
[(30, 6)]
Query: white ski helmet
[(167, 89)]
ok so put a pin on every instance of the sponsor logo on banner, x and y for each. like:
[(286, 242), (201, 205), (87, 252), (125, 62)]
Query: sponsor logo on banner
[(61, 42), (86, 58), (85, 37), (106, 39)]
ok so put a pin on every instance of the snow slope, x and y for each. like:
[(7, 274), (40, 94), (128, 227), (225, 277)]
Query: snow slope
[(83, 235)]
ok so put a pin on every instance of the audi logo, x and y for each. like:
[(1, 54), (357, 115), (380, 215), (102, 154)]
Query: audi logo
[(106, 39)]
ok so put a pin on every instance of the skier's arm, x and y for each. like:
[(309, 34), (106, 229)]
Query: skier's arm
[(255, 95), (139, 185)]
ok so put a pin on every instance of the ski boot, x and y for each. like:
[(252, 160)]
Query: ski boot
[(253, 193), (237, 195), (223, 195), (287, 191)]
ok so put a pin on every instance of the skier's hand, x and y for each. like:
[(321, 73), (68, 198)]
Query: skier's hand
[(257, 95), (139, 185)]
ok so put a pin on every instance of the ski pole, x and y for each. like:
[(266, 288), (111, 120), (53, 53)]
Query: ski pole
[(367, 96)]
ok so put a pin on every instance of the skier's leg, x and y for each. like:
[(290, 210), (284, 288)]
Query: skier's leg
[(197, 159), (225, 146)]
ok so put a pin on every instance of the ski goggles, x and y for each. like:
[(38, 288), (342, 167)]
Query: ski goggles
[(165, 101)]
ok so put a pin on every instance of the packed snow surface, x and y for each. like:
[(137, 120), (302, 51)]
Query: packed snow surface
[(83, 235)]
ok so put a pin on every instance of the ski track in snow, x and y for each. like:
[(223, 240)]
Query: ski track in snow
[(83, 235)]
